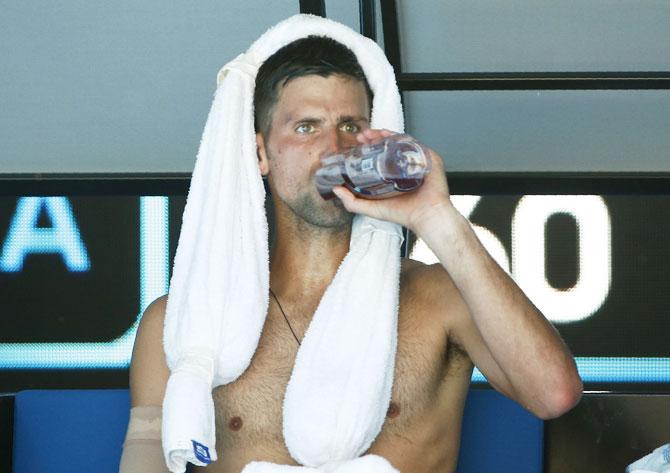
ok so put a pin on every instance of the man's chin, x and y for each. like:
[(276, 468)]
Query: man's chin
[(321, 213)]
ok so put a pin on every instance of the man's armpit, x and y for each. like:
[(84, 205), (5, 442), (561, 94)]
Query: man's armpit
[(456, 354)]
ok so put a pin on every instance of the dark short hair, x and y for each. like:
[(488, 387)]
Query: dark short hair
[(319, 55)]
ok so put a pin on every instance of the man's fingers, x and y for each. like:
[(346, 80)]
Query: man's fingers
[(367, 136), (373, 135), (349, 200), (344, 195)]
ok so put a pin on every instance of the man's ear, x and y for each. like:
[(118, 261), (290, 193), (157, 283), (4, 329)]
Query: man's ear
[(262, 154)]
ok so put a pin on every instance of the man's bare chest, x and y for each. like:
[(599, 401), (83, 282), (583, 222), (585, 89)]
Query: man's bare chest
[(249, 410)]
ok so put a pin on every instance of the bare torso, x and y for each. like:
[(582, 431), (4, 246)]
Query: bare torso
[(422, 428)]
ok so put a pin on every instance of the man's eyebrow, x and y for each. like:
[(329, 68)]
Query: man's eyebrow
[(352, 118), (304, 119)]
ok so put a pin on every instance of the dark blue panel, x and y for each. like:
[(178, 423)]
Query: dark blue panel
[(499, 435), (69, 430)]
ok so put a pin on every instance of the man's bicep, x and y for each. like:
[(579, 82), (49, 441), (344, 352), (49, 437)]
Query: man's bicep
[(148, 369), (142, 450), (469, 338)]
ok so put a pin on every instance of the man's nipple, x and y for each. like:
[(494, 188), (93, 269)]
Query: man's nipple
[(235, 423), (393, 411)]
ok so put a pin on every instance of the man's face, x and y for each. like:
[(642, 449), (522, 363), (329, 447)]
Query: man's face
[(314, 116)]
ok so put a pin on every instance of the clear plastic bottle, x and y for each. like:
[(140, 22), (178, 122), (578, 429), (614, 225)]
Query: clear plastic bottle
[(395, 165)]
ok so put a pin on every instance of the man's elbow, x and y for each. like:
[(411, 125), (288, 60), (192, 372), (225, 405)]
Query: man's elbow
[(564, 396)]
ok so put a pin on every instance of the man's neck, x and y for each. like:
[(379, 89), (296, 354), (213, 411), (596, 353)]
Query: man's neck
[(304, 259)]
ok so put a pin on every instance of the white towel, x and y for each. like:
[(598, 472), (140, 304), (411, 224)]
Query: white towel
[(657, 461), (340, 388)]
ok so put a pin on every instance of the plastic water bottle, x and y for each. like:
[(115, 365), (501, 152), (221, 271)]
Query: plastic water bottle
[(395, 165)]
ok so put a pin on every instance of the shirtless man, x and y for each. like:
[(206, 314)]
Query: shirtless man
[(462, 311)]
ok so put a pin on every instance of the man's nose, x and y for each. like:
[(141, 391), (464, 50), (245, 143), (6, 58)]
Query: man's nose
[(339, 141)]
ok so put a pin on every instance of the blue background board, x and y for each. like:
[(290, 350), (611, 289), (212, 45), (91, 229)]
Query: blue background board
[(69, 430), (83, 430), (499, 435)]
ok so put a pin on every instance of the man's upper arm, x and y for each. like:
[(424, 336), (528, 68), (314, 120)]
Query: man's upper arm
[(148, 369)]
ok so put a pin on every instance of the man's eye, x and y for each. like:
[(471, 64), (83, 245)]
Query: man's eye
[(305, 128), (350, 127)]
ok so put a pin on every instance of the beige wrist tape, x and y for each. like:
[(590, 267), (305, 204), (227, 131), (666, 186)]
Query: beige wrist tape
[(145, 423), (142, 450)]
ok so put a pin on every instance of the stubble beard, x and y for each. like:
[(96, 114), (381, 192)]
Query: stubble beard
[(319, 213)]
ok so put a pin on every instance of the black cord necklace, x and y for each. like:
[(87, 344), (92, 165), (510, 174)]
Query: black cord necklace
[(285, 318)]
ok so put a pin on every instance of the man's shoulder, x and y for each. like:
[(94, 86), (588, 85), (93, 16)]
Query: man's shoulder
[(428, 291), (424, 279), (155, 312), (150, 330)]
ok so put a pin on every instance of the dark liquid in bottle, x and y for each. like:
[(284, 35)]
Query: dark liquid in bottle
[(328, 196), (407, 184)]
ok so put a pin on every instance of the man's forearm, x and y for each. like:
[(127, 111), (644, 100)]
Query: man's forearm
[(534, 359)]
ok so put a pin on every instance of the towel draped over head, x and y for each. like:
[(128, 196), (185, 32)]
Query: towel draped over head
[(340, 387)]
